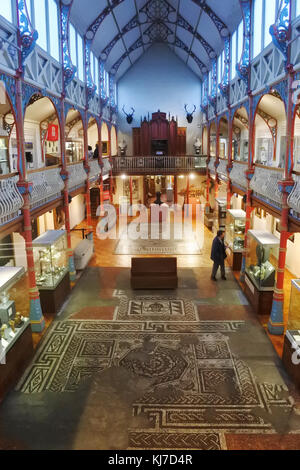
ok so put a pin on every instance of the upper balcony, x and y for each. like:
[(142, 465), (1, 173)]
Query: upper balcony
[(153, 165)]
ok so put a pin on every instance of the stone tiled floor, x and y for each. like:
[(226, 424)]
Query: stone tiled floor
[(117, 369)]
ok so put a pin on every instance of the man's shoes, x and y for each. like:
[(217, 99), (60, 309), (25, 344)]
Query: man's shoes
[(213, 279), (224, 278)]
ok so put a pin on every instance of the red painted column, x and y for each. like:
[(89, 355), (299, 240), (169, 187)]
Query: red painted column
[(207, 206), (229, 167), (87, 169), (65, 177), (37, 320), (175, 190), (276, 321), (111, 164), (249, 174)]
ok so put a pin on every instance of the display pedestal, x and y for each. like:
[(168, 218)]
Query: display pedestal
[(234, 260), (261, 301), (53, 299), (16, 361), (290, 359)]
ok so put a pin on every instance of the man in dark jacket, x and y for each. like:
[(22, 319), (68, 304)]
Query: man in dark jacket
[(218, 255)]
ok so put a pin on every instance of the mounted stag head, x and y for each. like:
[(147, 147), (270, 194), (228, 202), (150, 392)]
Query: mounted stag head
[(189, 116), (129, 117)]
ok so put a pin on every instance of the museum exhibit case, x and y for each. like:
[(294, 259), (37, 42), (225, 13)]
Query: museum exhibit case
[(292, 336), (261, 261), (15, 335), (51, 269), (235, 237), (222, 212)]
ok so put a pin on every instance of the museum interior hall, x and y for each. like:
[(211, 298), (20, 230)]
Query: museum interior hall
[(150, 225)]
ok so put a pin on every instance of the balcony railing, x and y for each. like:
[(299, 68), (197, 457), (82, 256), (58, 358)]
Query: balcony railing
[(265, 184), (77, 176), (222, 168), (158, 165), (95, 170), (106, 167), (47, 186), (211, 165), (237, 174), (294, 198), (11, 200)]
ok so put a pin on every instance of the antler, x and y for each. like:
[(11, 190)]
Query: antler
[(133, 110), (185, 108), (124, 110), (194, 110)]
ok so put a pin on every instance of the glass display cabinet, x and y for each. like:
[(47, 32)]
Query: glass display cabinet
[(15, 335), (260, 269), (235, 236), (51, 268), (292, 336), (222, 212)]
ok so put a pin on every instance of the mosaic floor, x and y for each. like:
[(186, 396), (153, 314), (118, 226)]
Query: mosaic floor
[(184, 369)]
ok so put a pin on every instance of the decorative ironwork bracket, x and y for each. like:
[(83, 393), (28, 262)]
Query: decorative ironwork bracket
[(69, 69), (281, 30), (243, 67), (27, 35)]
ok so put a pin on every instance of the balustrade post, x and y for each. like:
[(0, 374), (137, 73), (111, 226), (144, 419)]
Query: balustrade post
[(175, 190)]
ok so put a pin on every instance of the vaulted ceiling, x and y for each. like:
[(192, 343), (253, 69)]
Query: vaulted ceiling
[(122, 30)]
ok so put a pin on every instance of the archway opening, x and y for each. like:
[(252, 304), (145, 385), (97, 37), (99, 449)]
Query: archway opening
[(213, 139), (8, 137), (270, 131), (74, 137), (93, 140), (240, 135), (105, 140)]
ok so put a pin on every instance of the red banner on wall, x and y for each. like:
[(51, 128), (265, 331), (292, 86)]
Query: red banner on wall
[(52, 135)]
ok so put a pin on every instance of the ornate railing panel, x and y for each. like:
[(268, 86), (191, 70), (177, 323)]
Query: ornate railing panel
[(77, 176), (267, 68), (158, 165), (107, 166), (95, 170), (211, 165), (8, 39), (238, 176), (221, 104), (222, 168), (76, 93), (294, 198), (44, 70), (238, 91), (265, 185), (11, 200), (211, 112), (94, 105), (47, 185)]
